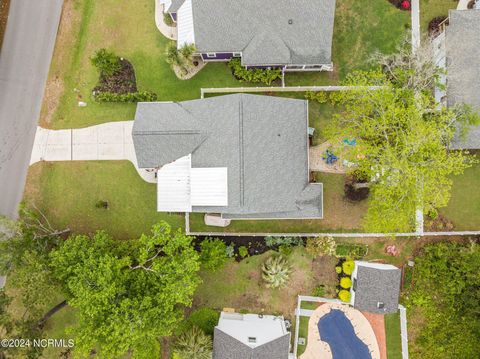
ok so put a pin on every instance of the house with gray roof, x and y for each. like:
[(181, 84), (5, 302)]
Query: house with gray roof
[(376, 287), (459, 49), (294, 35), (250, 336), (240, 156)]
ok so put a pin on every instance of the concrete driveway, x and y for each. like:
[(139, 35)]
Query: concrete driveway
[(108, 141), (24, 62)]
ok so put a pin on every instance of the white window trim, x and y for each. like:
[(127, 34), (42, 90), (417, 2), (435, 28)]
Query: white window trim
[(237, 54), (211, 55)]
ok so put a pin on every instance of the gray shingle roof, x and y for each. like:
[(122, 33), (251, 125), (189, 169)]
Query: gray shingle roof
[(268, 32), (377, 285), (262, 140), (463, 67), (227, 347), (175, 5)]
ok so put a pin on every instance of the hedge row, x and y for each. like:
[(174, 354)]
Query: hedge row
[(265, 76), (144, 96)]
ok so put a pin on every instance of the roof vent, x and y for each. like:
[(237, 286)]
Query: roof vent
[(380, 305), (252, 339), (290, 21)]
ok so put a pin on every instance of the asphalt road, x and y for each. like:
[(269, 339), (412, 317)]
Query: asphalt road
[(24, 62)]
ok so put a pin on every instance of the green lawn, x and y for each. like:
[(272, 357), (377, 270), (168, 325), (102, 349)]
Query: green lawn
[(433, 8), (464, 206), (393, 336), (361, 28), (68, 191), (303, 333), (339, 215), (127, 28)]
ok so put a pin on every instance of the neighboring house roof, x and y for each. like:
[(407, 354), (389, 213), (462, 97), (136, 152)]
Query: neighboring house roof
[(463, 67), (268, 32), (261, 140), (376, 287), (249, 336)]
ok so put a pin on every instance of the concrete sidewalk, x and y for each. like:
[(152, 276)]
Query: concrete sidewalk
[(108, 141)]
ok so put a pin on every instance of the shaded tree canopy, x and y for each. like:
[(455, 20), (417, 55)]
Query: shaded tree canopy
[(127, 294), (403, 140)]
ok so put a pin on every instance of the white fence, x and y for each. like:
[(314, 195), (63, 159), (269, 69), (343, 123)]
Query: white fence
[(403, 330)]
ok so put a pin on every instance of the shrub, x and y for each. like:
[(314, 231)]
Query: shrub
[(205, 319), (266, 76), (276, 271), (193, 344), (345, 283), (319, 291), (348, 267), (213, 253), (319, 96), (338, 269), (351, 250), (173, 57), (271, 241), (106, 62), (144, 96), (319, 246), (344, 296), (230, 251), (243, 251), (187, 51)]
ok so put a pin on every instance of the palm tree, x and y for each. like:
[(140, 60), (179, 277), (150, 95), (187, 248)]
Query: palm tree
[(194, 344), (173, 56), (276, 271)]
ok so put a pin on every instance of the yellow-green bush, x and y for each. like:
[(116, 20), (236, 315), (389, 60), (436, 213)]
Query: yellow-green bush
[(344, 296), (348, 266), (345, 282)]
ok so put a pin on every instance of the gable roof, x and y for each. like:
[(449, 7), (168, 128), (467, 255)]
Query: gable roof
[(463, 67), (261, 140), (269, 31), (375, 283), (231, 337)]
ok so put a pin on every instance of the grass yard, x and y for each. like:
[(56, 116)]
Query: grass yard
[(240, 285), (302, 333), (68, 191), (393, 336), (339, 215), (433, 8), (361, 28), (127, 28), (464, 206)]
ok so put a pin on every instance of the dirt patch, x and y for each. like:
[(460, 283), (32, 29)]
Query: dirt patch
[(60, 63), (378, 325), (4, 6), (122, 81), (353, 193), (323, 269)]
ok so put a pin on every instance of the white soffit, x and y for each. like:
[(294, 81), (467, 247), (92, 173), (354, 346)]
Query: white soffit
[(185, 31), (173, 186), (209, 186)]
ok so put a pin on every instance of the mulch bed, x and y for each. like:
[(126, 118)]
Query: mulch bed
[(122, 81), (255, 245), (433, 25), (439, 224), (404, 5), (353, 194)]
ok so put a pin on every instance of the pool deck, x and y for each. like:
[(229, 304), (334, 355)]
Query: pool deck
[(317, 349)]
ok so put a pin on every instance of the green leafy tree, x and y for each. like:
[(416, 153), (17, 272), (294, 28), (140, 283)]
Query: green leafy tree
[(276, 271), (127, 294), (446, 294), (194, 344), (213, 253), (106, 62), (402, 146)]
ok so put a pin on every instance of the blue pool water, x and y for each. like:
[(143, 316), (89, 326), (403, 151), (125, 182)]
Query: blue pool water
[(337, 330)]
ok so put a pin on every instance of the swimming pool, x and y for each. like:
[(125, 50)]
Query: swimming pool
[(337, 330)]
